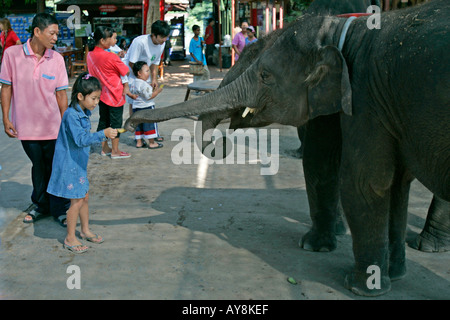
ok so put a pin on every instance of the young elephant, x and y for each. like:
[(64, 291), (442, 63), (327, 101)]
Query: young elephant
[(390, 89)]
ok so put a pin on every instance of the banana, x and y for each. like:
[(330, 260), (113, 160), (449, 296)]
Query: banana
[(121, 130)]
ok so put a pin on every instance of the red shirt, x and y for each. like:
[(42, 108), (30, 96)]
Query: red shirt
[(210, 31), (11, 39), (108, 68)]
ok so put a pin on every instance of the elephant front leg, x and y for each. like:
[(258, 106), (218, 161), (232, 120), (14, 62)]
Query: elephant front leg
[(367, 215), (435, 236), (368, 173), (321, 166)]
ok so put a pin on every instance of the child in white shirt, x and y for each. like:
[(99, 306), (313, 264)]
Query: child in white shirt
[(146, 94)]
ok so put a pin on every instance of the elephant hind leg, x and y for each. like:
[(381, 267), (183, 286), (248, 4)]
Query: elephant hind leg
[(398, 215), (435, 236)]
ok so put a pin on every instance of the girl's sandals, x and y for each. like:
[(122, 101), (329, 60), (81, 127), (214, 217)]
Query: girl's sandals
[(78, 248), (95, 239)]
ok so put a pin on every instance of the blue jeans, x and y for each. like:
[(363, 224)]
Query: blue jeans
[(40, 152)]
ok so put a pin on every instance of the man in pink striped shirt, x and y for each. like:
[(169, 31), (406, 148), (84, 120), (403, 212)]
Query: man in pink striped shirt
[(34, 82)]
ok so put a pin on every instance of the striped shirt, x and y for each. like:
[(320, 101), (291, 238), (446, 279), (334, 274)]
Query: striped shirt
[(35, 113)]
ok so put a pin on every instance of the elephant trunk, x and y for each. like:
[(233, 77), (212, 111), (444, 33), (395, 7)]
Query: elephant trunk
[(222, 100)]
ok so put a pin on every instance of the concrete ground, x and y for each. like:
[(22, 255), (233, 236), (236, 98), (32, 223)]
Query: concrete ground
[(191, 231)]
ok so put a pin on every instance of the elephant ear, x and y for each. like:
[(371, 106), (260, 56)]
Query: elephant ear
[(329, 89)]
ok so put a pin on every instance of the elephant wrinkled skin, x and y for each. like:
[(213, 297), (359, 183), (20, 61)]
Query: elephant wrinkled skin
[(386, 92)]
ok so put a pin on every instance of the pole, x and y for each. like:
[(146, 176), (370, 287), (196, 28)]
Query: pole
[(219, 15), (233, 8)]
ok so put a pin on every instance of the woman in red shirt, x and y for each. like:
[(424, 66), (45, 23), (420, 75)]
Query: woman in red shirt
[(8, 37), (111, 71)]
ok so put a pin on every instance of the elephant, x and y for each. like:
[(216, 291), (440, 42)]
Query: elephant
[(320, 172), (388, 137)]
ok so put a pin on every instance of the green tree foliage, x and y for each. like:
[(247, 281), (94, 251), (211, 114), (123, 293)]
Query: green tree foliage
[(4, 7), (198, 15), (296, 9)]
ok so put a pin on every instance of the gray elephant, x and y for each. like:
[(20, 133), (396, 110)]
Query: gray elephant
[(388, 136), (323, 155)]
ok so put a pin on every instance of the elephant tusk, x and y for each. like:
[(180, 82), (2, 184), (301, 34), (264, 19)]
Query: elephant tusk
[(247, 110)]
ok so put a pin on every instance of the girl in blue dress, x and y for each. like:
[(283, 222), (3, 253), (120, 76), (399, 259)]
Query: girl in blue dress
[(69, 171)]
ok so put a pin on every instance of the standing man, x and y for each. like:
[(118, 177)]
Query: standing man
[(34, 82), (148, 48), (209, 40)]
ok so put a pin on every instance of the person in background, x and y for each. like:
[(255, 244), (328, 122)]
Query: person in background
[(37, 104), (238, 42), (110, 70), (209, 40), (196, 52), (123, 44), (251, 38), (8, 37), (167, 48)]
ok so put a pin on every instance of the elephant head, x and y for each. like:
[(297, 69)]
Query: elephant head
[(298, 78)]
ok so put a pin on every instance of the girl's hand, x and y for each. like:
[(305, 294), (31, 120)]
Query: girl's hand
[(110, 133)]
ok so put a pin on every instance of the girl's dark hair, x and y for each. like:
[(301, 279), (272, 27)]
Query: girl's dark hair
[(138, 66), (42, 21), (85, 84), (101, 32)]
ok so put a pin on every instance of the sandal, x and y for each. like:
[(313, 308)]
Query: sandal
[(62, 220), (104, 154), (35, 216), (159, 139), (160, 145), (74, 248), (122, 155), (144, 144), (95, 239)]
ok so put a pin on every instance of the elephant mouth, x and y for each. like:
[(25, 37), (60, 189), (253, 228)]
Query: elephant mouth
[(247, 111)]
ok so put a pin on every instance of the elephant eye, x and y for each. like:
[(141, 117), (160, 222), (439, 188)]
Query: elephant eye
[(265, 76)]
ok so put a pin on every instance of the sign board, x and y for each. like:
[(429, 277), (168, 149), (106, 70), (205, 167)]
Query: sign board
[(107, 8)]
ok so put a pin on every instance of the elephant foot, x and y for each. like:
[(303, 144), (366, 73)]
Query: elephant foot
[(427, 242), (397, 271), (363, 284), (435, 236), (321, 242), (341, 228)]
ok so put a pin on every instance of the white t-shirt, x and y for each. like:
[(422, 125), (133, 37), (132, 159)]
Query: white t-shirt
[(144, 90), (143, 49)]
